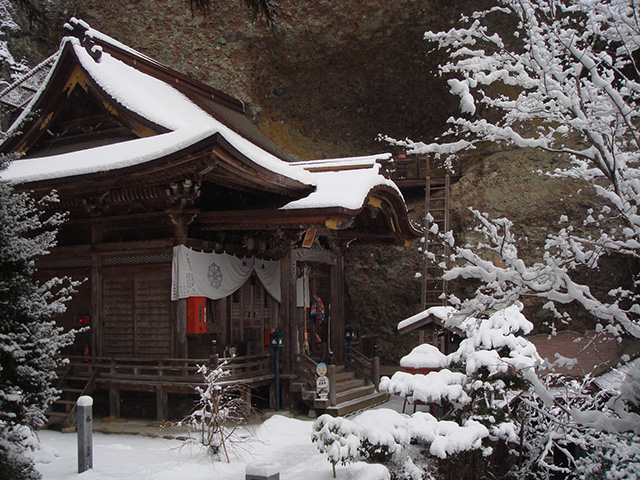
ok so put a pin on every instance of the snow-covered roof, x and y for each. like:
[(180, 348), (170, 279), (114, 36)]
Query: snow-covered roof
[(138, 92), (431, 313), (345, 163), (344, 188), (343, 183), (614, 378)]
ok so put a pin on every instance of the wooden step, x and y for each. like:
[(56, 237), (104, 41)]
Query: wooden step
[(354, 393), (297, 387), (349, 384), (308, 395), (71, 390), (345, 376), (357, 404)]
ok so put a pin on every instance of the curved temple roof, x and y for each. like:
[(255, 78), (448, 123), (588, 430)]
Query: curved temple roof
[(172, 121)]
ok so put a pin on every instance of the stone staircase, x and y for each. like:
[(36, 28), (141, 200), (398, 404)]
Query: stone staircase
[(352, 394)]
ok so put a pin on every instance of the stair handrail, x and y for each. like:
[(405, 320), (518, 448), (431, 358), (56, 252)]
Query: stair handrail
[(367, 368), (88, 388), (306, 369)]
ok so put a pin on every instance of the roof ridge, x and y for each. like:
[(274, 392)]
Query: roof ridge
[(48, 62), (90, 37)]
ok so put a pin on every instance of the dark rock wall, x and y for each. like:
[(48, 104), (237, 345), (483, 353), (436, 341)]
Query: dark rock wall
[(324, 82)]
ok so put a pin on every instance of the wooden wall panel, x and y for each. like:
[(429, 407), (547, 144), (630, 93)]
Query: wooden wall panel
[(137, 312), (117, 315), (153, 312)]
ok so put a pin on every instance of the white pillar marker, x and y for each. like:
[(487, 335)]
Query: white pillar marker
[(84, 425)]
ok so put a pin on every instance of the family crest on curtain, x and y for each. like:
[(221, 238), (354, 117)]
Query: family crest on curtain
[(218, 275)]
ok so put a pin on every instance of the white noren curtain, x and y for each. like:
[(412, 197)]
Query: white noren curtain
[(218, 275)]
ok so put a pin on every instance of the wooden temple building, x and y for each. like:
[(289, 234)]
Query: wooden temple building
[(188, 226)]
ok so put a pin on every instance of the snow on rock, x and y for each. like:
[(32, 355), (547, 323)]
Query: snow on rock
[(262, 469)]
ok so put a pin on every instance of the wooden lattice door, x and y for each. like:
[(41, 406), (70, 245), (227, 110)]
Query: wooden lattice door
[(250, 313)]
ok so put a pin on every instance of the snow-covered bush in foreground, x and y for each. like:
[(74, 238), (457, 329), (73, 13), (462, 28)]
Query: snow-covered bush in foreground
[(495, 415), (221, 409), (29, 339), (377, 436), (473, 387)]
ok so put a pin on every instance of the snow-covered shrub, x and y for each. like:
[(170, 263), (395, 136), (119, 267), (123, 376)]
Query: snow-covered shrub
[(29, 339), (377, 436), (477, 382), (475, 388), (221, 409), (339, 439)]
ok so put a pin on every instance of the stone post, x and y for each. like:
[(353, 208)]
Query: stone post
[(84, 425)]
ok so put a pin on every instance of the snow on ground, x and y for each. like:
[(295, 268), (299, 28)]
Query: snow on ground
[(280, 439)]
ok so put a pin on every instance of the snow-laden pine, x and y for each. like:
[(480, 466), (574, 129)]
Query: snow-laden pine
[(29, 338)]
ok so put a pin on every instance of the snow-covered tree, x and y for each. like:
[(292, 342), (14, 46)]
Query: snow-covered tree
[(473, 387), (565, 80), (562, 76), (29, 338), (220, 410)]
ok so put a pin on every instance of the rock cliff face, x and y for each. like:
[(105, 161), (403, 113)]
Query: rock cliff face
[(324, 82)]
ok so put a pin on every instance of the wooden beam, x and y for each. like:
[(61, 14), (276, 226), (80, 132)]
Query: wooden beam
[(319, 256)]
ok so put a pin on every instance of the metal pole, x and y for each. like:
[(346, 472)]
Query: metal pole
[(277, 360), (84, 426)]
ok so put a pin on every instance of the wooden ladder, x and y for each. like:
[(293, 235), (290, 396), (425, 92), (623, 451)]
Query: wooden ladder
[(437, 200)]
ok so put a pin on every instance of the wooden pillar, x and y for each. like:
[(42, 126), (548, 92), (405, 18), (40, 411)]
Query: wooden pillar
[(375, 372), (337, 309), (96, 292), (287, 319), (331, 373), (114, 402), (180, 334), (162, 403), (181, 220)]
